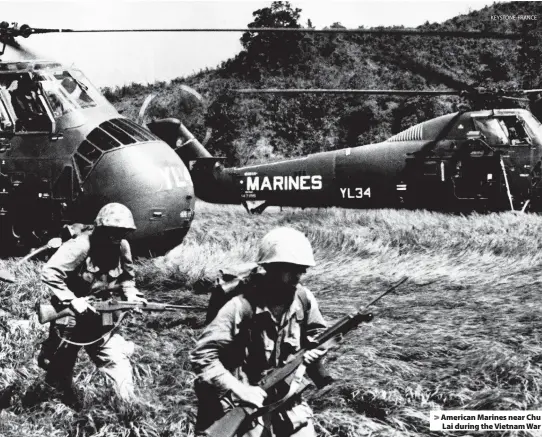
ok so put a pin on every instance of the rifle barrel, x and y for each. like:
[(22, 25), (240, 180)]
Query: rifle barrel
[(389, 290)]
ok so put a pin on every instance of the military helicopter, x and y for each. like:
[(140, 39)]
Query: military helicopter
[(65, 152), (466, 161), (471, 160)]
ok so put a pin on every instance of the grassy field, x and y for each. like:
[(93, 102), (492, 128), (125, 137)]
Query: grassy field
[(463, 333)]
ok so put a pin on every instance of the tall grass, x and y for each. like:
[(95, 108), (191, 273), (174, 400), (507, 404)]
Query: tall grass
[(463, 333)]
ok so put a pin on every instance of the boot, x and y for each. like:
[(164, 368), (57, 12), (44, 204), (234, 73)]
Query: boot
[(39, 392), (71, 397), (66, 392)]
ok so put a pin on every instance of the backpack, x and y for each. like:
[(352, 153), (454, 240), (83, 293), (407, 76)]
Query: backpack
[(236, 280), (240, 279), (230, 282)]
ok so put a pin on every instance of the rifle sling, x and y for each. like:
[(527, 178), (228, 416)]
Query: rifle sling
[(107, 334)]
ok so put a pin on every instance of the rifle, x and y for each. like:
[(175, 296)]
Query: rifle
[(48, 313), (229, 424)]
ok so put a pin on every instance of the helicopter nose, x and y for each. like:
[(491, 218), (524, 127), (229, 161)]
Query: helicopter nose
[(151, 180)]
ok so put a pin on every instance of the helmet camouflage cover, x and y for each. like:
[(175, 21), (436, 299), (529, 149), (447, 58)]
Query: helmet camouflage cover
[(115, 215), (286, 245)]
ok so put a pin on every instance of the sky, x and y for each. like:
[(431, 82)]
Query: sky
[(118, 59)]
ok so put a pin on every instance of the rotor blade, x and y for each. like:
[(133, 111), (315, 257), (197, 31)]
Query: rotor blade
[(21, 50), (144, 106), (481, 93), (347, 91), (443, 33), (518, 99), (191, 91)]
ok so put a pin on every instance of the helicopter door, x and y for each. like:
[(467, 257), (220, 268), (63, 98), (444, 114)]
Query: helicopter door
[(519, 159), (477, 174), (426, 179), (24, 98)]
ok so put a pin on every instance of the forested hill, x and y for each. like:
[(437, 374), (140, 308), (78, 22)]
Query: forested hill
[(249, 128)]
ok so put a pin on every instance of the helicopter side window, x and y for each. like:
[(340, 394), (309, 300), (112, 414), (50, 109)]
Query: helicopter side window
[(515, 130), (492, 130), (461, 129), (532, 126)]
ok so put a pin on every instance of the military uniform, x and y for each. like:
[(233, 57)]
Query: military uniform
[(81, 269), (245, 341)]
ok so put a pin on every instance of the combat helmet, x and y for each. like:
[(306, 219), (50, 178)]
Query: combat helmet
[(115, 215), (286, 245)]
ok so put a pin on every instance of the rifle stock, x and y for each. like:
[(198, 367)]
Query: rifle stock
[(229, 424), (48, 313)]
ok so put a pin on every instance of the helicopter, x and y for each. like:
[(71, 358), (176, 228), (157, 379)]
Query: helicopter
[(65, 152), (472, 160), (486, 160)]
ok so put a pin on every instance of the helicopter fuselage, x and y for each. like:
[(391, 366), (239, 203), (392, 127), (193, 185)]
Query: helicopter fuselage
[(65, 152), (478, 160)]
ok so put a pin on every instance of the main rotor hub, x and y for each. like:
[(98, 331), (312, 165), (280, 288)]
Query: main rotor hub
[(9, 33)]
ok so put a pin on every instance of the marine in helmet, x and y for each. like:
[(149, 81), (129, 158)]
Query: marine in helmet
[(96, 265), (259, 330)]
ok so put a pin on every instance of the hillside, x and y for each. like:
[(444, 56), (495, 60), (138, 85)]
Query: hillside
[(251, 128), (463, 333)]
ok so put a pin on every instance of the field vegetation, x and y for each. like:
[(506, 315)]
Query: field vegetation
[(464, 332)]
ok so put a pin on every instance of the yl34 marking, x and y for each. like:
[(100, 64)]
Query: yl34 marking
[(355, 193)]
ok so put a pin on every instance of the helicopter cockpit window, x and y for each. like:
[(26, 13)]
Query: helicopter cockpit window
[(83, 165), (532, 126), (515, 130), (65, 93), (492, 131), (102, 139), (133, 129)]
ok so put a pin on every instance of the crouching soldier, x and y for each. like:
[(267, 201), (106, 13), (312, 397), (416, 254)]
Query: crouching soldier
[(93, 265), (257, 331)]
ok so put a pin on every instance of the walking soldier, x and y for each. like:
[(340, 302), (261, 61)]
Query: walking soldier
[(93, 265), (257, 331)]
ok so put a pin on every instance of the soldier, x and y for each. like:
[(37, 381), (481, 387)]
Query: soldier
[(24, 99), (94, 265), (257, 331)]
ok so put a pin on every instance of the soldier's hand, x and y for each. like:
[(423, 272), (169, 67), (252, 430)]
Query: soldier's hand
[(134, 295), (250, 394), (312, 355), (80, 304)]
